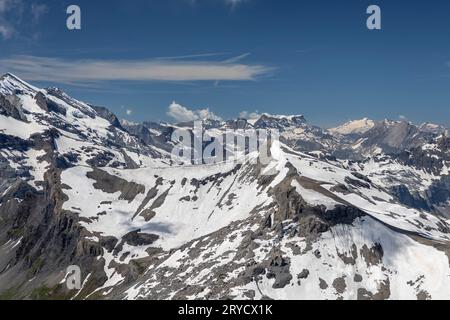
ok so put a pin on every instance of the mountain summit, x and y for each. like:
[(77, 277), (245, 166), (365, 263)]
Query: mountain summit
[(354, 127)]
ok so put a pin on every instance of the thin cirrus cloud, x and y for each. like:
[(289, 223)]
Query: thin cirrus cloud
[(6, 28), (6, 31), (14, 12), (38, 11), (34, 68), (232, 3)]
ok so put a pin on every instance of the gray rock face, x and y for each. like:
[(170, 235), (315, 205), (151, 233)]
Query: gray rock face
[(136, 238), (111, 184), (280, 123), (278, 269), (50, 239), (151, 134), (108, 115), (48, 105), (388, 137), (403, 194), (9, 108)]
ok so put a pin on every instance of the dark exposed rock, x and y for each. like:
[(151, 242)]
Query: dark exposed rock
[(383, 293), (361, 177), (340, 285), (373, 255), (51, 239), (269, 122), (9, 107), (258, 270), (340, 188), (363, 294), (403, 195), (278, 269), (108, 243), (421, 159), (394, 137), (349, 259), (112, 184), (342, 215), (358, 278), (304, 274), (310, 226), (357, 183), (106, 114), (282, 280), (14, 143), (317, 254), (323, 284), (423, 295), (238, 124), (439, 191), (58, 93), (67, 161), (136, 238), (101, 159), (48, 105)]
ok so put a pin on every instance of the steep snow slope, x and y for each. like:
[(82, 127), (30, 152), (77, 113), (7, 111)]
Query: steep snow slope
[(310, 243), (350, 222)]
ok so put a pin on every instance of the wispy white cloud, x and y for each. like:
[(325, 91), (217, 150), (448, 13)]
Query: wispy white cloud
[(14, 14), (6, 5), (238, 58), (38, 11), (231, 3), (126, 110), (7, 30), (234, 2), (182, 114), (193, 56), (83, 71)]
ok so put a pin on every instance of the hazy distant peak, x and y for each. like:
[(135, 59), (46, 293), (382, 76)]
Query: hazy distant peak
[(354, 127)]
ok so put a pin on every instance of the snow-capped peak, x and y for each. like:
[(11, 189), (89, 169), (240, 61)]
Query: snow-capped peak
[(281, 117), (9, 84), (280, 122), (431, 127), (354, 127), (128, 122)]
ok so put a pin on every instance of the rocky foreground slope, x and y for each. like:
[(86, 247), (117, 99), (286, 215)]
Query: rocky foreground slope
[(77, 187)]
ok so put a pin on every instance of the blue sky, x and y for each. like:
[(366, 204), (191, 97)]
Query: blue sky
[(315, 57)]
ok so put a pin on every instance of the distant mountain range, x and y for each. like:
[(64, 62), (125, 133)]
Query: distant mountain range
[(356, 140), (360, 211)]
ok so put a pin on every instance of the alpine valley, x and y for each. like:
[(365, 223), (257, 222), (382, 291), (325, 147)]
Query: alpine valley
[(360, 211)]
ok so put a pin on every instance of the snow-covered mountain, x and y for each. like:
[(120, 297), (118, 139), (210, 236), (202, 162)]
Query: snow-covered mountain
[(367, 138), (78, 187), (354, 127)]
